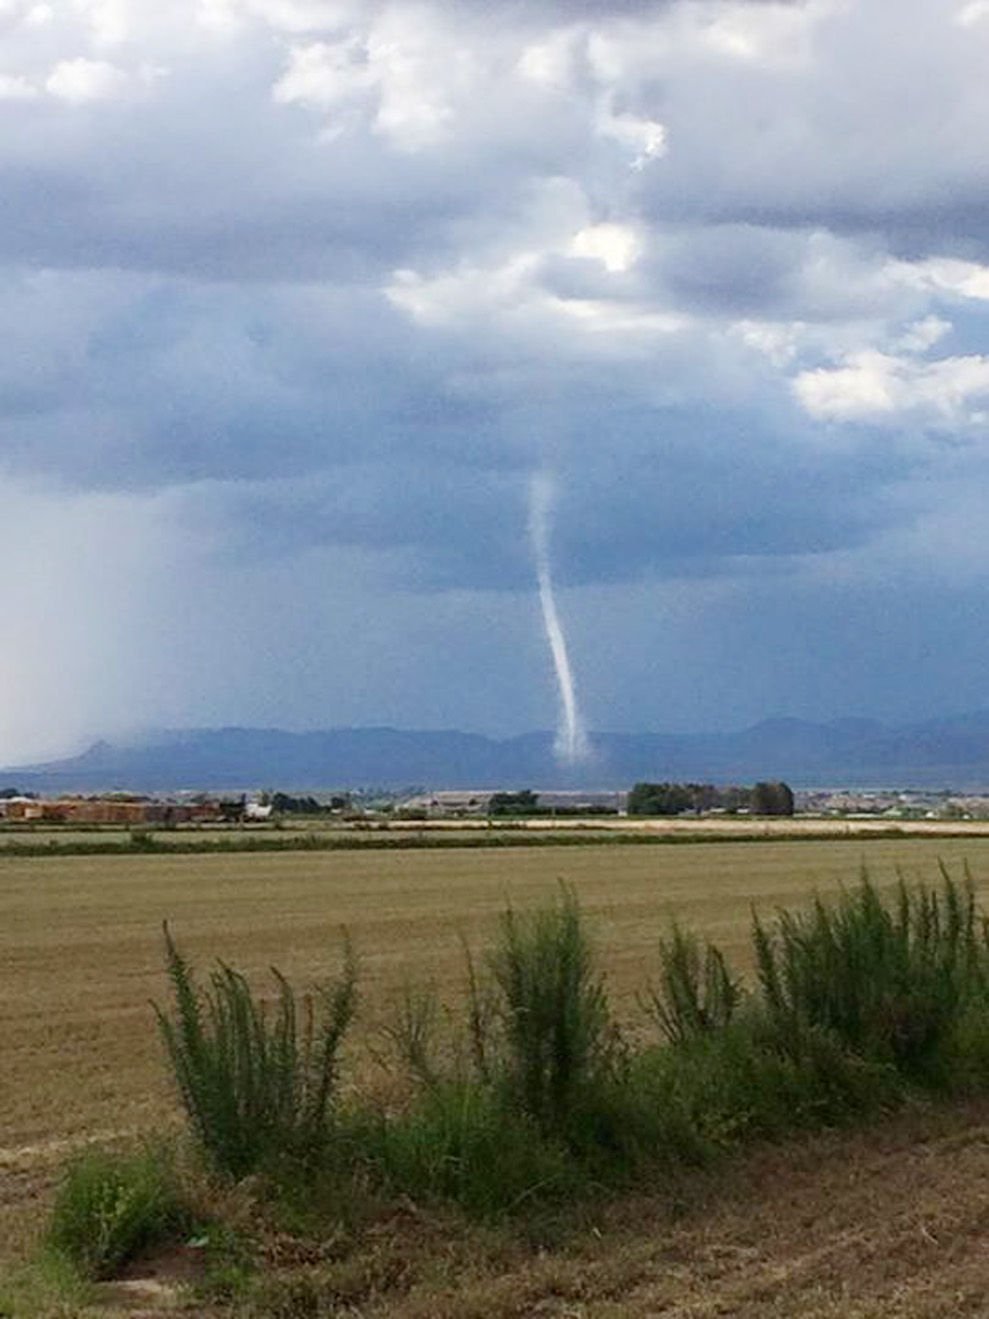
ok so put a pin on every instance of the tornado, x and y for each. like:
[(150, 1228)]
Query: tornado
[(571, 745)]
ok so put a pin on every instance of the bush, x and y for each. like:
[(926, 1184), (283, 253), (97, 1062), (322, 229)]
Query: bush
[(257, 1086), (110, 1206), (539, 1058), (559, 1048), (461, 1141), (721, 1088), (696, 993), (889, 980)]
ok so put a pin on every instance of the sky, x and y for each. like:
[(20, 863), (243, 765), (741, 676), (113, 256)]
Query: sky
[(301, 297)]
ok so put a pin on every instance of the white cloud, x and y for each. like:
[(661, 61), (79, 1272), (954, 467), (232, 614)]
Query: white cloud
[(876, 386), (769, 34), (644, 139), (552, 60), (288, 16), (464, 293), (325, 74), (404, 75), (964, 279), (15, 87), (110, 21), (418, 78), (616, 246), (81, 80), (921, 335), (973, 12), (777, 341)]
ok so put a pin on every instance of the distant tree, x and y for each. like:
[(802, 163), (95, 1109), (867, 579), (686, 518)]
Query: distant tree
[(284, 804), (525, 802), (735, 798), (661, 799), (7, 793), (772, 798), (679, 798)]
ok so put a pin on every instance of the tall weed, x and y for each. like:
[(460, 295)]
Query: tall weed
[(559, 1044), (697, 992), (889, 979), (258, 1082)]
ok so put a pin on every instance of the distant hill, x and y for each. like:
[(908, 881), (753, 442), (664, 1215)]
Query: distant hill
[(949, 752)]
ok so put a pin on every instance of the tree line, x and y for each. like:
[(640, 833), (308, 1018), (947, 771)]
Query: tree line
[(763, 798)]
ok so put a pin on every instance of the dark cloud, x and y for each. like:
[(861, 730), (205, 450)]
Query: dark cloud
[(290, 299)]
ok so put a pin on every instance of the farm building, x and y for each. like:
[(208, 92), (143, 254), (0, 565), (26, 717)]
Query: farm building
[(107, 810)]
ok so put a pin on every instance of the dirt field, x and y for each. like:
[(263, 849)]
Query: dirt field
[(80, 958)]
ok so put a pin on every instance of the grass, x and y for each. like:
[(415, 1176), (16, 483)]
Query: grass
[(859, 1224), (50, 1285), (110, 1205), (853, 1224)]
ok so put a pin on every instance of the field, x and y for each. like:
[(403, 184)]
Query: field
[(308, 833), (80, 951)]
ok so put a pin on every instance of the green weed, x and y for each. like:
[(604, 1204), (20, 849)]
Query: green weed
[(111, 1205), (696, 992), (888, 979), (559, 1044), (258, 1083)]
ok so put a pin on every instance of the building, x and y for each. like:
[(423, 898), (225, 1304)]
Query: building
[(119, 810)]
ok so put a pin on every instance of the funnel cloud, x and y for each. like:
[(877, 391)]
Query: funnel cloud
[(571, 744)]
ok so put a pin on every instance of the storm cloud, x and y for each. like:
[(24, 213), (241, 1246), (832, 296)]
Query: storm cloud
[(298, 294)]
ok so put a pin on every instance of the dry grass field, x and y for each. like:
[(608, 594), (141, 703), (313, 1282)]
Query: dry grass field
[(295, 832), (80, 959)]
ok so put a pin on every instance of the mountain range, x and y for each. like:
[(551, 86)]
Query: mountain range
[(950, 752)]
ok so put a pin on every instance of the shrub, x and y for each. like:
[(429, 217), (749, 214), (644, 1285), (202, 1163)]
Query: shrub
[(142, 839), (696, 993), (110, 1206), (538, 1053), (721, 1088), (559, 1046), (460, 1140), (888, 979), (413, 1034), (257, 1085)]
